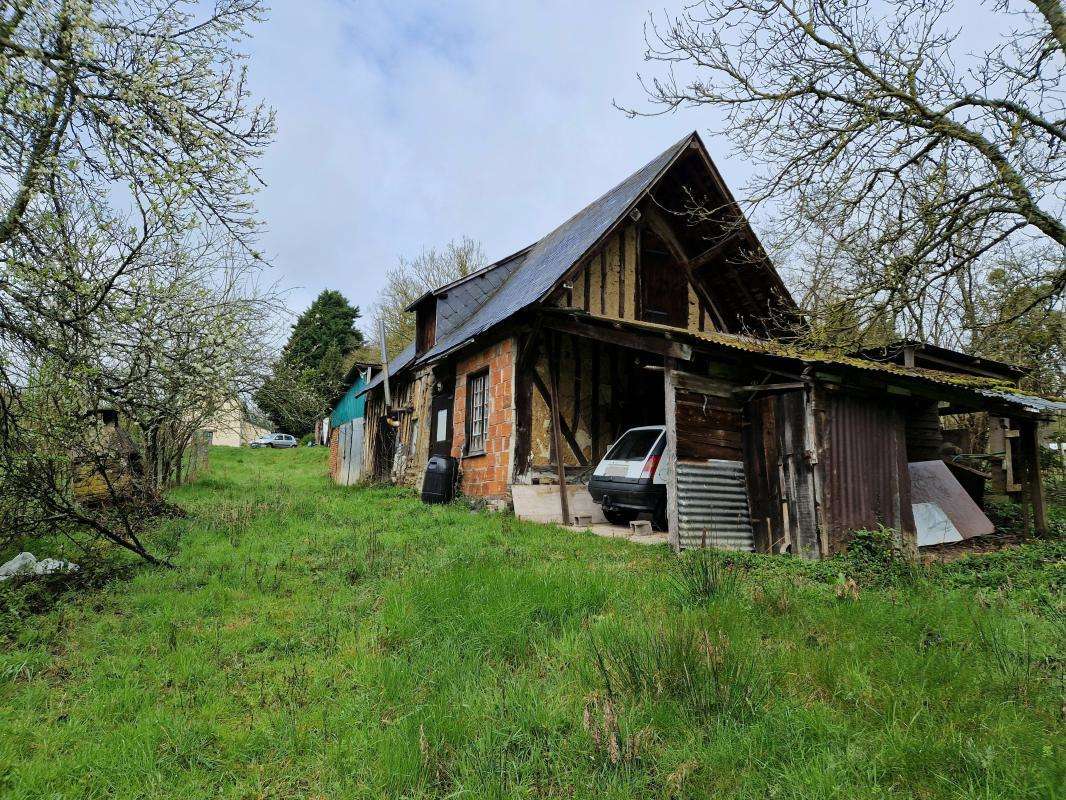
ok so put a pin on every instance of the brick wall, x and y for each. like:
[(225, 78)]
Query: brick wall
[(334, 453), (487, 475)]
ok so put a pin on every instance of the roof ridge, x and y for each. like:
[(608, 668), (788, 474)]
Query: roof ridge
[(551, 256)]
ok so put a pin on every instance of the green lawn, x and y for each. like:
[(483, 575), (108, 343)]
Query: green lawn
[(321, 641)]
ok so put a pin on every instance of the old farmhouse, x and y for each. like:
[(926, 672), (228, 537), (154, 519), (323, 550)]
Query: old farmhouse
[(657, 305)]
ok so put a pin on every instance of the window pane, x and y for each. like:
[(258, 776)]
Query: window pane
[(477, 424), (634, 446)]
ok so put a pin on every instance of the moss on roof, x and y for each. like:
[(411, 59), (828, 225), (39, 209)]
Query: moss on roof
[(987, 387)]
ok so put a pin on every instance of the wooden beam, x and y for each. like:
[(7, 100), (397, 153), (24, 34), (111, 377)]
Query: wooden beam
[(523, 400), (670, 456), (564, 428), (769, 387), (594, 391), (564, 501), (649, 343), (1031, 447)]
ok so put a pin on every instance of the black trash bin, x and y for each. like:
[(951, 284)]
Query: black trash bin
[(439, 483)]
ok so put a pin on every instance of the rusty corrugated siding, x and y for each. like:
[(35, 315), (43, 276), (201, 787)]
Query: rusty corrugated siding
[(865, 478), (712, 505)]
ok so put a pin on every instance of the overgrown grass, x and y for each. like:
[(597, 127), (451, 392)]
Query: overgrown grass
[(320, 641)]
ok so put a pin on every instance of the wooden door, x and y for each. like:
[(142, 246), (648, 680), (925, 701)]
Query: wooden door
[(663, 292), (440, 427)]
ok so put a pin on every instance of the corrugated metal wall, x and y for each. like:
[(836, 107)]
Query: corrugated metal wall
[(866, 481), (350, 452), (352, 405), (712, 505)]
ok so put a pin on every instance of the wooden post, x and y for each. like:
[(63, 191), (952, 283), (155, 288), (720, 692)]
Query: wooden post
[(670, 456), (557, 434), (1031, 446)]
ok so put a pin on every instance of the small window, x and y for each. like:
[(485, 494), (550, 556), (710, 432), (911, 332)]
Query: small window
[(477, 412)]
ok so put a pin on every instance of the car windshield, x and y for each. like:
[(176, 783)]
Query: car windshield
[(634, 446)]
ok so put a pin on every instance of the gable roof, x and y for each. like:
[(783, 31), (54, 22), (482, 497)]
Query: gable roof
[(546, 262)]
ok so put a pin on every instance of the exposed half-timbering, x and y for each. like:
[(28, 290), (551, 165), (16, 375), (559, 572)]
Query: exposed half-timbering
[(656, 306)]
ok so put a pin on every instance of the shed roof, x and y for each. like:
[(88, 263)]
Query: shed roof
[(979, 387), (956, 359)]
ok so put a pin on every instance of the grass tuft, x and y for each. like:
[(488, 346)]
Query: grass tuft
[(704, 673), (702, 576)]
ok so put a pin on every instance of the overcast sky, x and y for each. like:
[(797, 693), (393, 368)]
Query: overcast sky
[(402, 125), (405, 124)]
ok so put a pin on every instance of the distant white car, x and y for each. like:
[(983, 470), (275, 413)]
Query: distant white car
[(274, 440)]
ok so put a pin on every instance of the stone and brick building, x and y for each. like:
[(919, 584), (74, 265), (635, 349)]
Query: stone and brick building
[(657, 305)]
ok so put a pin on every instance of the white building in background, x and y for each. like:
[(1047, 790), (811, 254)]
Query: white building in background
[(231, 426)]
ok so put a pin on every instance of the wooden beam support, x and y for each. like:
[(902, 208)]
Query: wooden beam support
[(670, 456), (718, 249), (648, 343), (661, 227), (769, 387), (564, 501), (1030, 440), (568, 434)]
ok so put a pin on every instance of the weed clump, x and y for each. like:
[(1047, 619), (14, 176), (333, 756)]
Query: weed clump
[(600, 721), (872, 559), (707, 675), (702, 576)]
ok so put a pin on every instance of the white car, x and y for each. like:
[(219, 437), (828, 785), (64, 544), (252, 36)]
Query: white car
[(274, 440), (631, 478)]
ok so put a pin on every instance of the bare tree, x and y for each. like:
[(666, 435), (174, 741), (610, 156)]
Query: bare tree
[(895, 158), (128, 149), (412, 278), (100, 412)]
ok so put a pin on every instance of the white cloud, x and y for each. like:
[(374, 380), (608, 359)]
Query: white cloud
[(403, 125)]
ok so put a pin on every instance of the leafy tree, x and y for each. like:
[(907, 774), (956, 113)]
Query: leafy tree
[(128, 164), (1018, 323), (307, 379)]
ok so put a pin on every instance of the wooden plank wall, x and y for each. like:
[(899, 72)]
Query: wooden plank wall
[(607, 283), (412, 400), (924, 436), (707, 426), (781, 486)]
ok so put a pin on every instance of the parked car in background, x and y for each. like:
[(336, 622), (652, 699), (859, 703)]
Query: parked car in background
[(631, 478), (274, 440)]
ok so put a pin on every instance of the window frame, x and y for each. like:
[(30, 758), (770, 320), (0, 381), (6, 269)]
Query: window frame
[(468, 425)]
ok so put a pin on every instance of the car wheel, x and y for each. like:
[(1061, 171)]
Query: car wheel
[(619, 516)]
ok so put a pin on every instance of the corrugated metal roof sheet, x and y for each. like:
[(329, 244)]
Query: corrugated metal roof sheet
[(1037, 405), (985, 387)]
